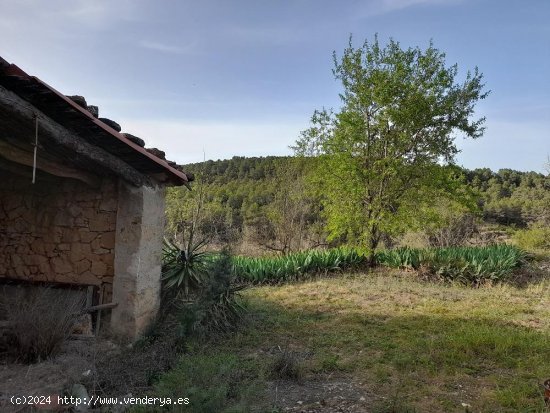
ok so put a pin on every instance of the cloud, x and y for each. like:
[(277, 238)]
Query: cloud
[(164, 48), (376, 8), (46, 16)]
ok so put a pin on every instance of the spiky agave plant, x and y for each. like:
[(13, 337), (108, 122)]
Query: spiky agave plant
[(216, 307), (184, 269)]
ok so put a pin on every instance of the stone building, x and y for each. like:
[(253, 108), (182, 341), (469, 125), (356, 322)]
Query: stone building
[(81, 204)]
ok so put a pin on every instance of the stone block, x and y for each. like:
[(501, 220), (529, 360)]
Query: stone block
[(107, 240), (63, 219), (80, 251), (102, 222), (70, 235), (16, 261), (99, 267), (83, 265), (22, 272), (87, 278), (37, 246), (74, 210), (16, 212), (81, 222), (61, 265), (87, 236)]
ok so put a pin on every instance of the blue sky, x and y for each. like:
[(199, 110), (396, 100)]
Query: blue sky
[(243, 77)]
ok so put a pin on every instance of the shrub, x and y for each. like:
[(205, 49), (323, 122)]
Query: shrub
[(456, 233), (200, 290), (220, 382), (215, 307), (41, 320), (536, 239)]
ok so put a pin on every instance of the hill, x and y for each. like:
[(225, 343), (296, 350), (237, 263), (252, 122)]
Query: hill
[(265, 204)]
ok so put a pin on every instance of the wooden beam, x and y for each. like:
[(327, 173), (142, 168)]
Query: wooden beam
[(22, 157), (99, 307), (9, 101)]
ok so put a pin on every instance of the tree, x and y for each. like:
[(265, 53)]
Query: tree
[(380, 155), (286, 223)]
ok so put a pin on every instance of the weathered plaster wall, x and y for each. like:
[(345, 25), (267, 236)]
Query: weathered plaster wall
[(57, 230), (136, 288)]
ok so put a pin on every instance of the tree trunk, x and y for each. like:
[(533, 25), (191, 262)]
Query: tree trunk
[(374, 239)]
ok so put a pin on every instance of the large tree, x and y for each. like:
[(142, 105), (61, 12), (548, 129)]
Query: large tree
[(382, 153)]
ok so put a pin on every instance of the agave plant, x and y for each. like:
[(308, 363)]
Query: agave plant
[(299, 265), (470, 265), (215, 306), (184, 269)]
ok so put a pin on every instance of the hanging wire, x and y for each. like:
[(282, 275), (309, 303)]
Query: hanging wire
[(35, 148)]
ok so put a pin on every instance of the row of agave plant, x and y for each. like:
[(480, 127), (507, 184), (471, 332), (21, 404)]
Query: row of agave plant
[(296, 266), (470, 265)]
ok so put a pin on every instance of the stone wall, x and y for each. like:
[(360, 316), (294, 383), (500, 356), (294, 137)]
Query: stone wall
[(58, 230)]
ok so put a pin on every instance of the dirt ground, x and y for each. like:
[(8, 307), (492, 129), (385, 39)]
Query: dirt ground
[(326, 395), (75, 363)]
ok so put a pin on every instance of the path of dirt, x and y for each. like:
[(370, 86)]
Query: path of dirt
[(325, 395)]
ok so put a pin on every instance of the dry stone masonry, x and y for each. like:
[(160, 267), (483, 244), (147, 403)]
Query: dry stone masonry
[(58, 230)]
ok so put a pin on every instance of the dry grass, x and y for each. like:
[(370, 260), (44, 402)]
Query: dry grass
[(40, 320)]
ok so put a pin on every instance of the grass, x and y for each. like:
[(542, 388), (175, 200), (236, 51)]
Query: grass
[(403, 344)]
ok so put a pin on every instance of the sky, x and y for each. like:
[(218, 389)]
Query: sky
[(213, 79)]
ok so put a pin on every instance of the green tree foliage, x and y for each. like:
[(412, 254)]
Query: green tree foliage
[(237, 207), (380, 154), (262, 201), (511, 197)]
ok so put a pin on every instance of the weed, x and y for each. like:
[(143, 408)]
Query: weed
[(286, 366), (40, 320)]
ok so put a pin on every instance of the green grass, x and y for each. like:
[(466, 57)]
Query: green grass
[(407, 345)]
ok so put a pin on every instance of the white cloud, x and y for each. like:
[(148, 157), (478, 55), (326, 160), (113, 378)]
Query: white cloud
[(46, 16), (165, 48), (379, 7)]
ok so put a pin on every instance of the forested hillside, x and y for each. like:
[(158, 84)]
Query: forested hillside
[(265, 204)]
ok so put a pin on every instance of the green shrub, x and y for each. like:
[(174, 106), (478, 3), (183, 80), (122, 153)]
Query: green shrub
[(200, 290), (215, 308), (535, 239), (219, 382), (286, 366)]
